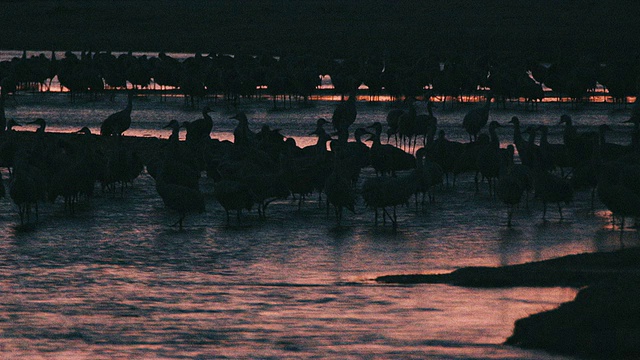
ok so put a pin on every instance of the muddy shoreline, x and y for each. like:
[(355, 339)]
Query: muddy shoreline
[(601, 322)]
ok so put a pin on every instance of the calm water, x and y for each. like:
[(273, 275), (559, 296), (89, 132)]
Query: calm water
[(116, 281)]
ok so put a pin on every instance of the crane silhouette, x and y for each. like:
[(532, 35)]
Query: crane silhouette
[(476, 119), (119, 122), (201, 128), (619, 199), (344, 115), (181, 199)]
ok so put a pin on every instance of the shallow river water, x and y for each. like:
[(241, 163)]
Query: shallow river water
[(116, 281)]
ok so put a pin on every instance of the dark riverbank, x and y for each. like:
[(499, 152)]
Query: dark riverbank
[(602, 321)]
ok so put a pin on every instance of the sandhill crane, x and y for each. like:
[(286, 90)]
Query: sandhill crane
[(510, 186), (242, 135), (233, 195), (9, 146), (426, 125), (488, 159), (387, 158), (119, 122), (580, 146), (429, 173), (175, 162), (476, 119), (392, 123), (551, 189), (180, 198), (445, 152), (265, 189), (555, 155), (42, 125), (610, 151), (344, 115), (339, 189), (619, 199), (384, 192), (26, 188), (520, 143), (407, 125), (353, 154), (200, 128)]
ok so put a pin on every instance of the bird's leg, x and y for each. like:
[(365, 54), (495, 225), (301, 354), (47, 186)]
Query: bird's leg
[(560, 211), (544, 211), (475, 179), (327, 206), (509, 215), (21, 213), (621, 231), (394, 222)]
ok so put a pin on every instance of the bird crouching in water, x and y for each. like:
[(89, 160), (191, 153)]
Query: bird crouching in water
[(119, 122), (180, 198)]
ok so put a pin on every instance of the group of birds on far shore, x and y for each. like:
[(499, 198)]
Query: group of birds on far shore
[(393, 75), (258, 168)]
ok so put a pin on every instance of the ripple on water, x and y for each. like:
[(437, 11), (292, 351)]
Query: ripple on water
[(116, 281)]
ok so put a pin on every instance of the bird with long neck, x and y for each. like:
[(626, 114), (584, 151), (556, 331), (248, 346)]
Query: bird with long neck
[(407, 124), (201, 128), (555, 155), (476, 119), (119, 122), (509, 187), (175, 126), (386, 158), (488, 158), (242, 135), (344, 115)]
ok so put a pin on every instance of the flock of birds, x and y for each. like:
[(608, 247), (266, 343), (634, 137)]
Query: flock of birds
[(257, 168)]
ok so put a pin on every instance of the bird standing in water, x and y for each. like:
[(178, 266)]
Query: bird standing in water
[(119, 122)]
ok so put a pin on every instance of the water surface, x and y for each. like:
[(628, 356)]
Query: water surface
[(116, 281)]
